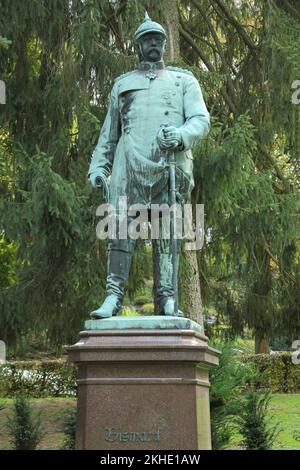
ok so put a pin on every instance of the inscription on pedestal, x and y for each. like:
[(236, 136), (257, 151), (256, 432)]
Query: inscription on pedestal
[(116, 435)]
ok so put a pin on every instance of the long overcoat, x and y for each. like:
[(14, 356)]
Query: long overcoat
[(141, 102)]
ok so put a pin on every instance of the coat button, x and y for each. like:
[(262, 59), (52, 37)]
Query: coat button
[(127, 131), (166, 113), (177, 84)]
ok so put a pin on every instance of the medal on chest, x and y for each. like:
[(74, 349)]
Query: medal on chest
[(151, 74)]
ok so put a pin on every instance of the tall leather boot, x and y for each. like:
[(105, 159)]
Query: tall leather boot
[(118, 266), (164, 275)]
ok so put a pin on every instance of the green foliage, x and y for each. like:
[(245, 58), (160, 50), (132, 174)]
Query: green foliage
[(129, 312), (59, 68), (254, 424), (7, 263), (227, 383), (69, 429), (276, 372), (249, 221), (235, 409), (38, 378), (147, 309), (24, 426), (247, 170), (5, 43)]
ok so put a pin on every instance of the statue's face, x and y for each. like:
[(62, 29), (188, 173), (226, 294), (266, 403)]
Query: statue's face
[(152, 46)]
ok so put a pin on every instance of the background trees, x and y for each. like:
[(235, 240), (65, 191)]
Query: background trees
[(59, 68)]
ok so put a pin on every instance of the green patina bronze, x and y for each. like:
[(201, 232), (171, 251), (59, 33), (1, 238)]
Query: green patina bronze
[(144, 323), (153, 111)]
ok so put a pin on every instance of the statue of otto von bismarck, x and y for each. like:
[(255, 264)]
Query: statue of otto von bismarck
[(153, 111)]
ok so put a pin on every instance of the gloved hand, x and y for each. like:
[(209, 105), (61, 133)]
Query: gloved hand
[(99, 180), (169, 137)]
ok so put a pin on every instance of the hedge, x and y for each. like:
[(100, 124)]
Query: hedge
[(57, 378), (277, 371)]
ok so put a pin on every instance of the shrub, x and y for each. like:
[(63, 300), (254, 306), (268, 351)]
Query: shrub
[(227, 383), (129, 312), (276, 371), (38, 379), (24, 426), (69, 429), (147, 309), (255, 426)]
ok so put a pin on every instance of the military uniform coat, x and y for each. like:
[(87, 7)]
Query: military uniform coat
[(141, 102)]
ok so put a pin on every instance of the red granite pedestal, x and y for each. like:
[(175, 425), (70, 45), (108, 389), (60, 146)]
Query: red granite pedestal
[(143, 389)]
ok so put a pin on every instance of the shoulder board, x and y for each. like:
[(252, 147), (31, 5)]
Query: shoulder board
[(179, 69), (124, 75)]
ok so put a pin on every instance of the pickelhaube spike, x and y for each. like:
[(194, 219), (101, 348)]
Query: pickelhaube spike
[(149, 26)]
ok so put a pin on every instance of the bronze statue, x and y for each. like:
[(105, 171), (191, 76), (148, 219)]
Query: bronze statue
[(153, 111)]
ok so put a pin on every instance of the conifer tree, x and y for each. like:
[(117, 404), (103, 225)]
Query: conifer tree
[(58, 61)]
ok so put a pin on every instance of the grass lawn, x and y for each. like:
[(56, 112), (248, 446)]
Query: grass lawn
[(284, 409)]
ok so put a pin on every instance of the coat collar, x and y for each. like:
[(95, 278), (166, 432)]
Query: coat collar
[(147, 66)]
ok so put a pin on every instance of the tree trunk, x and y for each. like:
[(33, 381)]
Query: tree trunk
[(261, 344), (260, 309), (190, 291), (171, 23)]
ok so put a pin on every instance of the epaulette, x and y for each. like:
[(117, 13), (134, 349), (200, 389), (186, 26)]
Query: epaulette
[(179, 69), (124, 75)]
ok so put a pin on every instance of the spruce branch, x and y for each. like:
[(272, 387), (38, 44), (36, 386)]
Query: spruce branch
[(290, 9), (278, 264), (209, 66), (219, 46)]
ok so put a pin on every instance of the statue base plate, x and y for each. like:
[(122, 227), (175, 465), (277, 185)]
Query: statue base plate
[(158, 322)]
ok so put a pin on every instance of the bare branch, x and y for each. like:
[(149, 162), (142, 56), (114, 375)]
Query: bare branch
[(197, 36), (247, 40)]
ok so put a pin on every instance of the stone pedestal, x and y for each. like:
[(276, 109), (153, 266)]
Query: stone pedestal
[(143, 384)]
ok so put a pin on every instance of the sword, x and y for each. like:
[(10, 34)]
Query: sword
[(173, 239)]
